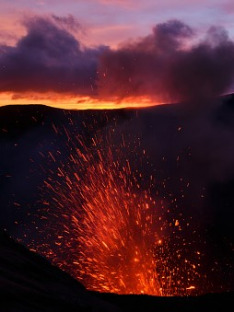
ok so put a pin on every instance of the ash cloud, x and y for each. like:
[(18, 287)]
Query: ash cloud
[(160, 65), (48, 58), (164, 65)]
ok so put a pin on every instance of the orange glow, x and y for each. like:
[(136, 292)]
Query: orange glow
[(107, 230), (191, 288), (111, 223), (64, 101)]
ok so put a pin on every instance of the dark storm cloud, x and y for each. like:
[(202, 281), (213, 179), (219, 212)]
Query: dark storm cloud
[(48, 58), (161, 65)]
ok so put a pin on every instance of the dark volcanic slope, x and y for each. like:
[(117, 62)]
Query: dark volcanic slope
[(29, 283), (208, 303)]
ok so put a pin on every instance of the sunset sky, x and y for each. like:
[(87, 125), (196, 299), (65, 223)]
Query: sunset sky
[(94, 23), (112, 21), (124, 196)]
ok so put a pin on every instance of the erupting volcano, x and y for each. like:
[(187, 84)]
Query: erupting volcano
[(115, 231), (106, 227), (117, 154), (110, 221)]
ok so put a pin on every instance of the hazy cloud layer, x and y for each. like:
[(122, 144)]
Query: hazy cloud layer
[(48, 58), (163, 65), (160, 65)]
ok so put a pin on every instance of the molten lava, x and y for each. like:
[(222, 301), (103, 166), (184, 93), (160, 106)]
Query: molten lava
[(111, 222), (104, 227), (115, 232)]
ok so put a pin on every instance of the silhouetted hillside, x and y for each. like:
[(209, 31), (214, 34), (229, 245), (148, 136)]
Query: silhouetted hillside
[(29, 283)]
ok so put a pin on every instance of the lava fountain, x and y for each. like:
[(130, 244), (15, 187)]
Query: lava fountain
[(97, 202), (115, 232), (103, 220)]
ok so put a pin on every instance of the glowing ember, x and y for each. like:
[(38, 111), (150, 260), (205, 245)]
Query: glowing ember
[(105, 225), (115, 233), (113, 226)]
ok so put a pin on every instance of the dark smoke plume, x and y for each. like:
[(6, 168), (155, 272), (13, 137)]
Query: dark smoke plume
[(48, 58), (160, 65), (164, 65)]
